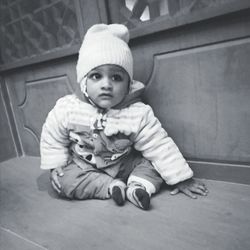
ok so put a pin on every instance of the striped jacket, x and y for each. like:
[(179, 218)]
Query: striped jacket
[(70, 131)]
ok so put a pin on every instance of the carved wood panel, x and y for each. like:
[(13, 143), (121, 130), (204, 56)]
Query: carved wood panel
[(35, 31), (203, 100), (31, 28), (134, 13), (38, 47), (33, 94), (7, 145), (197, 83)]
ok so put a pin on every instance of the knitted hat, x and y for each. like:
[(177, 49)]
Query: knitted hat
[(104, 44)]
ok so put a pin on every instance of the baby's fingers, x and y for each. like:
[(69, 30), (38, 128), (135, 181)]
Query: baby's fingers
[(198, 190), (54, 177), (201, 187), (55, 186), (187, 192), (59, 172), (175, 191)]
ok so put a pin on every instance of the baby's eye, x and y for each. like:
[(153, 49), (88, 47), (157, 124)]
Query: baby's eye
[(95, 76), (117, 78)]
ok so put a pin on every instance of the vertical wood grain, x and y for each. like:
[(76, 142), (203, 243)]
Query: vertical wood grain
[(10, 145)]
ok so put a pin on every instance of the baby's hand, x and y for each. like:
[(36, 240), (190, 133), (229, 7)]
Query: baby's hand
[(54, 178), (190, 187)]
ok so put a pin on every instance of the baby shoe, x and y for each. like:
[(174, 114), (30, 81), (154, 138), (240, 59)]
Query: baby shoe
[(117, 191), (137, 194)]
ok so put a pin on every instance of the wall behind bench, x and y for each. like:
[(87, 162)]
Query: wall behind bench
[(194, 57)]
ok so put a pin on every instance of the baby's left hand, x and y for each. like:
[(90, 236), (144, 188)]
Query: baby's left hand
[(190, 187)]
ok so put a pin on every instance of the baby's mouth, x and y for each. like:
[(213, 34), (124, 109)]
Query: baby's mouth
[(106, 95)]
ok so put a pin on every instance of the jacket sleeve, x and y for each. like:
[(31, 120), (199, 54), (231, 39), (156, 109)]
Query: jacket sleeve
[(54, 138), (155, 144)]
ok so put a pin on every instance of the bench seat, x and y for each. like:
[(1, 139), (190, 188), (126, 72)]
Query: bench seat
[(33, 217)]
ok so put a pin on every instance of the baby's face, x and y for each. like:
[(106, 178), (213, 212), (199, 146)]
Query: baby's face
[(107, 85)]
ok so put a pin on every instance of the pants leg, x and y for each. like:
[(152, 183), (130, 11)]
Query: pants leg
[(145, 174), (79, 183)]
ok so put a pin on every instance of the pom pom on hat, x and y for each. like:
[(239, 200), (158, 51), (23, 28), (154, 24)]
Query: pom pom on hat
[(116, 30), (104, 44)]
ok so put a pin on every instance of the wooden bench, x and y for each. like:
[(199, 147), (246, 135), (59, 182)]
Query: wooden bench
[(33, 217)]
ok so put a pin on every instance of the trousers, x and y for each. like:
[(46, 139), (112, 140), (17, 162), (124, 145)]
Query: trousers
[(88, 182)]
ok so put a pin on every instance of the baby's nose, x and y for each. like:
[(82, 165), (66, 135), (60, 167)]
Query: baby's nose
[(106, 83)]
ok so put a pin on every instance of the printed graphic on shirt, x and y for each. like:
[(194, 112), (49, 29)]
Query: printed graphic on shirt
[(95, 148)]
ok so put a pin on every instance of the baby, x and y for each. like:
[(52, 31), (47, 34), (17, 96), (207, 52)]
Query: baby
[(102, 141)]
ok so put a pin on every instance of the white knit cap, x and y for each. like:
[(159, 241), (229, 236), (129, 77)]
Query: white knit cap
[(104, 44)]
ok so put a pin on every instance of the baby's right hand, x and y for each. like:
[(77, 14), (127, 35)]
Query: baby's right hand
[(54, 178)]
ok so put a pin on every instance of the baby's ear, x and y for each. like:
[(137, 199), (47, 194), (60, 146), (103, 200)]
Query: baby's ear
[(136, 88)]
